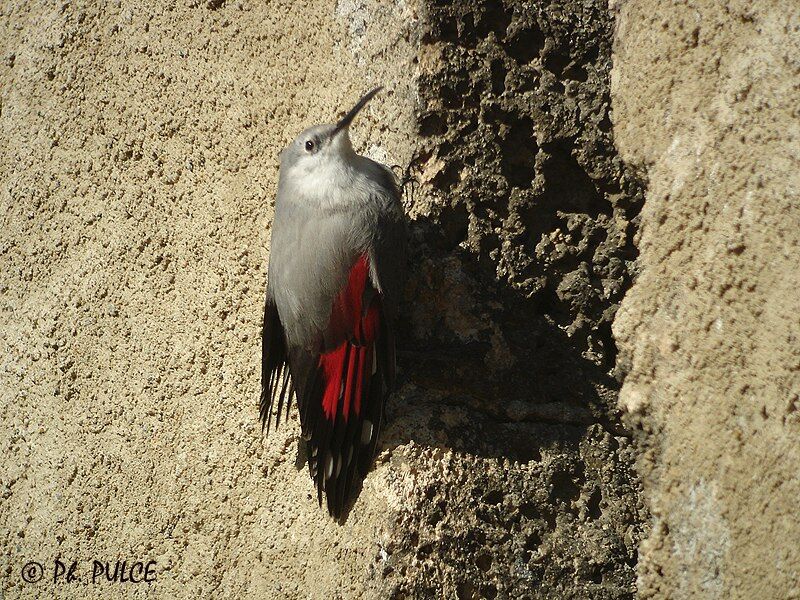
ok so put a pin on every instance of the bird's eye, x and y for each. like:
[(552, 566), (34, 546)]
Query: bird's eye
[(309, 145)]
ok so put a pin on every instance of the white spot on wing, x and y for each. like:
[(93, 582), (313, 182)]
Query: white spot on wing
[(366, 432), (328, 466)]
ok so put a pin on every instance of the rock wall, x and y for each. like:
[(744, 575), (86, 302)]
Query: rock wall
[(705, 102), (138, 165), (522, 228)]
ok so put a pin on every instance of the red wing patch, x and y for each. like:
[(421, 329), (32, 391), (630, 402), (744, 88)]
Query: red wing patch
[(346, 311), (345, 405), (346, 369)]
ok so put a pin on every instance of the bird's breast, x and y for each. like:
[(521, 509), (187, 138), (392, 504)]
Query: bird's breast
[(311, 254)]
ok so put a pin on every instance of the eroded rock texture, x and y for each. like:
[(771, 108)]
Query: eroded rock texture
[(522, 241)]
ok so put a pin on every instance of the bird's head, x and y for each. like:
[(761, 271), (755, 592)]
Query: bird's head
[(317, 148)]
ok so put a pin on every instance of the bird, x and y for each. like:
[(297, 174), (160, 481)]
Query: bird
[(335, 277)]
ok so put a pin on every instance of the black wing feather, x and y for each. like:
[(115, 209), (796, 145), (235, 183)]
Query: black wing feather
[(274, 366)]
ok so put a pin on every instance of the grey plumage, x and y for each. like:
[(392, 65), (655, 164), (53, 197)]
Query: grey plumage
[(333, 207), (324, 218)]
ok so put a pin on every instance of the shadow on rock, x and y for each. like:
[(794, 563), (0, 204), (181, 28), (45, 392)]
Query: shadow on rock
[(482, 369)]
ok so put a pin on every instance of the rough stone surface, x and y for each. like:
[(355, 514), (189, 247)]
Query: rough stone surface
[(521, 250), (138, 164), (706, 102)]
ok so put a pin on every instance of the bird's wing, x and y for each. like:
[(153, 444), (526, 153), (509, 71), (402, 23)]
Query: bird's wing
[(343, 410), (276, 383), (389, 266), (341, 405)]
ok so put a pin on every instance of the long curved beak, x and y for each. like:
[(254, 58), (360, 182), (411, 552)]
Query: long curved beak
[(348, 118)]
